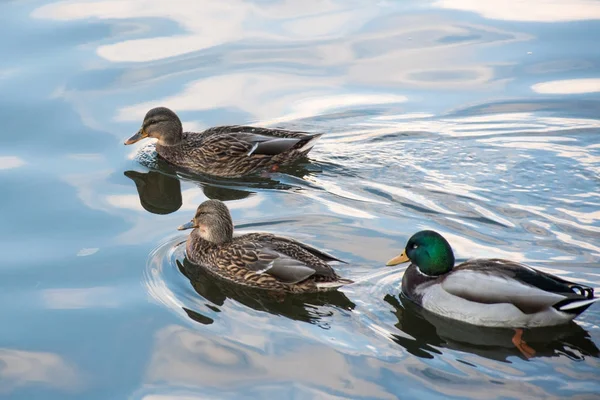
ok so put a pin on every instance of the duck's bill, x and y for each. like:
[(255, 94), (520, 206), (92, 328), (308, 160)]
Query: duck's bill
[(402, 258), (136, 138), (183, 227)]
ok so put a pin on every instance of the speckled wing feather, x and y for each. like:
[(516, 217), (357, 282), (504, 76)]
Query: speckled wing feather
[(279, 133), (236, 145), (270, 238), (262, 259), (322, 270), (217, 146)]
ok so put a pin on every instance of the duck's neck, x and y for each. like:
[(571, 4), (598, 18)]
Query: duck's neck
[(197, 244), (414, 281), (172, 139), (171, 133), (215, 236)]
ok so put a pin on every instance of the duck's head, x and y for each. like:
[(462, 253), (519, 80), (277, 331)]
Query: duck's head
[(212, 222), (429, 251), (162, 124)]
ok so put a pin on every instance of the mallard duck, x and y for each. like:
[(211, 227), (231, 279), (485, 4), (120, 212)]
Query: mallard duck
[(260, 260), (487, 292), (226, 151)]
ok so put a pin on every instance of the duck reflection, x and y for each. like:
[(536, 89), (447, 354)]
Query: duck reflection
[(286, 178), (432, 332), (309, 308), (224, 193), (160, 189), (159, 193)]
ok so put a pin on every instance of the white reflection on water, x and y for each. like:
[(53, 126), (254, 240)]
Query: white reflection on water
[(519, 10), (409, 195), (482, 125), (339, 208), (173, 395), (311, 107), (10, 162), (87, 252), (264, 96), (81, 298), (190, 362), (369, 45), (563, 147), (568, 86), (125, 201), (210, 23), (20, 369), (184, 357)]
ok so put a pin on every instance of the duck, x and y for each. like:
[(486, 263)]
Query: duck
[(258, 260), (229, 151), (487, 292)]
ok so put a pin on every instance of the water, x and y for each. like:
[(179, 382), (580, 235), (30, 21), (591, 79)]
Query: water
[(476, 119)]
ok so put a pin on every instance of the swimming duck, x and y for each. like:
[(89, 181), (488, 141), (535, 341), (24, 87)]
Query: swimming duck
[(226, 151), (260, 260), (487, 292)]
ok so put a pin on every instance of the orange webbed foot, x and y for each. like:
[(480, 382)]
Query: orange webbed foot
[(520, 344)]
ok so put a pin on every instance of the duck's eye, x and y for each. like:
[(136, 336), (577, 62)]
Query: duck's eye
[(152, 122), (414, 246)]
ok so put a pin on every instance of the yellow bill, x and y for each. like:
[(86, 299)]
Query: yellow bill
[(137, 137), (402, 258)]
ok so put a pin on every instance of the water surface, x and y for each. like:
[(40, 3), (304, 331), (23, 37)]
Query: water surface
[(476, 119)]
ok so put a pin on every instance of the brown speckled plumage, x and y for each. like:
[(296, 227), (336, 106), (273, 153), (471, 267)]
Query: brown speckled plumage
[(227, 151), (260, 260)]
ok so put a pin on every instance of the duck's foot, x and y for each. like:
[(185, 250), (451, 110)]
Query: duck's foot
[(520, 344), (267, 172)]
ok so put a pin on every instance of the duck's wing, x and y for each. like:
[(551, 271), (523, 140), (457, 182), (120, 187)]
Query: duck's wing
[(312, 250), (236, 143), (282, 241), (280, 133), (501, 281), (262, 259)]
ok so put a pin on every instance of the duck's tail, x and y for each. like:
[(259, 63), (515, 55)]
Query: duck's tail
[(334, 284), (309, 142), (576, 306)]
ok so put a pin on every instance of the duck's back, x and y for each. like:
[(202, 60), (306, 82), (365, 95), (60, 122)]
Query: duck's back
[(279, 133)]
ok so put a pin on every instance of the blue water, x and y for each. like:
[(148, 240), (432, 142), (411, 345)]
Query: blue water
[(477, 119)]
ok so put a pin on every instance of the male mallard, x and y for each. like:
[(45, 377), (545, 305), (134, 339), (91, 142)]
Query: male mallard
[(227, 151), (487, 292), (260, 260)]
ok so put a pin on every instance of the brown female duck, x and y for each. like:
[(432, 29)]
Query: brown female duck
[(226, 151), (260, 260)]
